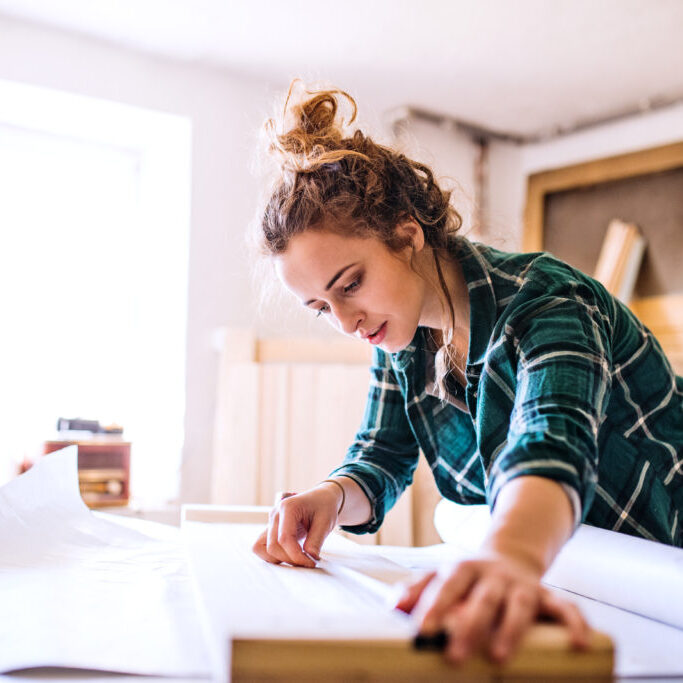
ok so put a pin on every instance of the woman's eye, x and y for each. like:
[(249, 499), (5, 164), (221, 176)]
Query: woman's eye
[(321, 310), (351, 287)]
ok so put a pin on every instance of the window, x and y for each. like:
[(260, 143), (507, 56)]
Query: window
[(94, 230)]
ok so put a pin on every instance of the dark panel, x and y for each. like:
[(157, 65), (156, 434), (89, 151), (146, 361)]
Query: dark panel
[(575, 223)]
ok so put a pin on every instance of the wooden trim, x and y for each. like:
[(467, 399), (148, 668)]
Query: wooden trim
[(617, 167), (313, 350), (242, 345)]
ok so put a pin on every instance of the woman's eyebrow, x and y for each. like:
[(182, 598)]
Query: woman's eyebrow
[(337, 275)]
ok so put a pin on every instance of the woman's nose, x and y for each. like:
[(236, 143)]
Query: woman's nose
[(348, 320)]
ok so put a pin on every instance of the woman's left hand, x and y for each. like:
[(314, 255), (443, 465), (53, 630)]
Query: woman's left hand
[(487, 603)]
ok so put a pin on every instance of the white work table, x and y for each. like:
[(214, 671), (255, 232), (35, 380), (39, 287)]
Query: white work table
[(203, 608)]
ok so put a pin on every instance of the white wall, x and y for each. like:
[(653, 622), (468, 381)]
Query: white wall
[(225, 111), (450, 153), (453, 155)]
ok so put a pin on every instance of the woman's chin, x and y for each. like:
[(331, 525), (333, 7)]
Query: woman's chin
[(392, 346)]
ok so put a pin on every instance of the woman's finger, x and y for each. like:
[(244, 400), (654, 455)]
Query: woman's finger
[(440, 596), (567, 613), (281, 495), (477, 617), (519, 612), (261, 550), (320, 529), (412, 593), (272, 546), (287, 537)]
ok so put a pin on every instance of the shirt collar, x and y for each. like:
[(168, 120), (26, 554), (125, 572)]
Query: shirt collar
[(482, 294), (482, 308)]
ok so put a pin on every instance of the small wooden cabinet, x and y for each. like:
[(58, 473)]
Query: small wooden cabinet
[(103, 469)]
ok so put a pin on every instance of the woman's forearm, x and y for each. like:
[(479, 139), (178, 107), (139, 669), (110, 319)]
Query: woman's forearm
[(532, 520), (356, 508)]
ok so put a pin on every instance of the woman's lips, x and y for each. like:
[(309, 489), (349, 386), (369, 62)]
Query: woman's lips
[(379, 335)]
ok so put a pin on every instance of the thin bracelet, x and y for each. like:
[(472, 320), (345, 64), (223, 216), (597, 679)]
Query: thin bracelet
[(343, 500)]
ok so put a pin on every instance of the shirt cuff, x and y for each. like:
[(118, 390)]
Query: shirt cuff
[(575, 501)]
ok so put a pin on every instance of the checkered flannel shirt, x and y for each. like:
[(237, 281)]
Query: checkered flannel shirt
[(563, 382)]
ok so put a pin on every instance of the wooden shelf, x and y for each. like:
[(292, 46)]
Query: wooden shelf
[(100, 460)]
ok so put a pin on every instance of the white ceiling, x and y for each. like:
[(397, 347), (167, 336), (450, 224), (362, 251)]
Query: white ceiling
[(526, 67)]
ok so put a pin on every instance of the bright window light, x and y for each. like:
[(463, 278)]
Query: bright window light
[(94, 231)]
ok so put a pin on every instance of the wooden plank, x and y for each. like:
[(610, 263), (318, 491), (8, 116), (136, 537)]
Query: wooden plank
[(307, 407), (234, 474), (275, 424), (426, 496), (663, 316), (544, 654), (663, 313), (532, 234), (239, 345), (397, 528)]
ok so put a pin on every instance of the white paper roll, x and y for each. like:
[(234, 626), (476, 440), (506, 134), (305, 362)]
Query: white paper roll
[(624, 571)]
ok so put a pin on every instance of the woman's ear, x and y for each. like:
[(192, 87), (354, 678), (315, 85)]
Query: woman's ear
[(411, 229)]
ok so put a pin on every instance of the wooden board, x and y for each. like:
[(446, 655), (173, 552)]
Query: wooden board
[(544, 654)]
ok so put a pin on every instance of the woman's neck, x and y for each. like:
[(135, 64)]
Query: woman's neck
[(435, 311)]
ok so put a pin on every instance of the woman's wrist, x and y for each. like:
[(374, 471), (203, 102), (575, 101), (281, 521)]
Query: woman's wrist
[(531, 521), (341, 493), (356, 508), (501, 546)]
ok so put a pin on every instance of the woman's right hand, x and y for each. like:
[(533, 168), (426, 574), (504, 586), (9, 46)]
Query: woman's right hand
[(310, 516)]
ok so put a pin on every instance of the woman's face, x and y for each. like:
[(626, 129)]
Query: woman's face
[(357, 284)]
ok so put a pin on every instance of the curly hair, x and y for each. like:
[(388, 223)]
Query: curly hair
[(329, 176)]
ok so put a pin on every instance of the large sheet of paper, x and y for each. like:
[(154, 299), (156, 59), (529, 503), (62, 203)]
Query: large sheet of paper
[(631, 573), (79, 591), (357, 604), (246, 597)]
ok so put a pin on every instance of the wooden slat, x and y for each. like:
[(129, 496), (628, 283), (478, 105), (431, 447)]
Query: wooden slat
[(274, 425), (545, 654), (663, 315), (234, 473), (397, 528)]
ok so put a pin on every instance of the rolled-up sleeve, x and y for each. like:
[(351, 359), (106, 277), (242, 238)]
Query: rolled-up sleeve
[(384, 453), (562, 348)]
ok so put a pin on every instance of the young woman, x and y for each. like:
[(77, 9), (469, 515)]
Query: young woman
[(524, 383)]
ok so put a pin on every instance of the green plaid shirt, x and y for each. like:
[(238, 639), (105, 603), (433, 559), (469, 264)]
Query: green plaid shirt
[(562, 382)]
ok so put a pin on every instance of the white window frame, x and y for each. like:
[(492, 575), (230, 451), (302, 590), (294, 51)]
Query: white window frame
[(162, 143)]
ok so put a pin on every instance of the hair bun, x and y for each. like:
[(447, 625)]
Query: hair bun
[(312, 128)]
